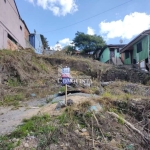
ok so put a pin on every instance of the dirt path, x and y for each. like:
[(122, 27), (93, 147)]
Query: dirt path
[(10, 119)]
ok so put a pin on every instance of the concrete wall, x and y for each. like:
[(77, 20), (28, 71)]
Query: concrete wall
[(1, 37), (10, 23)]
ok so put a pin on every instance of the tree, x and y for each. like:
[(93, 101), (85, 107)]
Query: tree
[(44, 42), (69, 49), (88, 43)]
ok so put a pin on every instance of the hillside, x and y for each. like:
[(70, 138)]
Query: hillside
[(110, 114)]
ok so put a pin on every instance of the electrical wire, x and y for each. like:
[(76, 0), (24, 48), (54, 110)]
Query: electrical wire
[(89, 17)]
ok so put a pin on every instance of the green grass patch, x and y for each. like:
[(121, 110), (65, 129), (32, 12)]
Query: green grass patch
[(62, 118), (120, 120), (14, 82), (62, 89), (37, 125), (6, 144), (13, 99), (108, 95), (41, 65)]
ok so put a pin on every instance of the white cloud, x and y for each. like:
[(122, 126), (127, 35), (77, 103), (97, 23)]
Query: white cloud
[(130, 26), (62, 43), (31, 1), (65, 41), (58, 7), (90, 31)]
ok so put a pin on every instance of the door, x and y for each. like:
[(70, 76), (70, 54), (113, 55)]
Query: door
[(131, 56), (112, 53)]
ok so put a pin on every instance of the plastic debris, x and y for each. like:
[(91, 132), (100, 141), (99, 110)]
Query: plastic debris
[(96, 108), (33, 95)]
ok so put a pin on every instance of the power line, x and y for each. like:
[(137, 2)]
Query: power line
[(89, 17), (86, 7)]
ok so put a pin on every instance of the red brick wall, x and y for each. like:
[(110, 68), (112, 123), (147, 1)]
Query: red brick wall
[(11, 45)]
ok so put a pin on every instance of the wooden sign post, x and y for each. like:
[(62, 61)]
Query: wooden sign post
[(66, 80), (66, 94)]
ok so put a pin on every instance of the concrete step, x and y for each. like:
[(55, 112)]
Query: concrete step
[(117, 61)]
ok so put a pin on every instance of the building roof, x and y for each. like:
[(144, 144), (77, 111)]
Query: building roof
[(129, 46), (20, 17), (17, 9), (115, 45)]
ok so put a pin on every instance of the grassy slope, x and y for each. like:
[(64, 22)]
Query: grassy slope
[(27, 73), (24, 73)]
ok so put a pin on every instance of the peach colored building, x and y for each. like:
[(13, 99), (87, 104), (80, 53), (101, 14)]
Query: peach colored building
[(13, 30)]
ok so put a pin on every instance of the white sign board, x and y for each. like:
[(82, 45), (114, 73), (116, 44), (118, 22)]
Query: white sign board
[(65, 72)]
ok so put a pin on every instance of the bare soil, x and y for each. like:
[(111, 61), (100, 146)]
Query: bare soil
[(10, 119)]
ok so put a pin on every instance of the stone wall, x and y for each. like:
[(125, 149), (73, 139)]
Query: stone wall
[(126, 74)]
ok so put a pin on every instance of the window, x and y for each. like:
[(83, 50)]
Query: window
[(117, 50), (139, 47), (127, 55), (20, 27), (11, 38)]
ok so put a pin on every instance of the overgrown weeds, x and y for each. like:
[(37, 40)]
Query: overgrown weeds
[(13, 99), (76, 128)]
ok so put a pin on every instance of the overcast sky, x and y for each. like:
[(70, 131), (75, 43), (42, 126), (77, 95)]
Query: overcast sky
[(59, 20)]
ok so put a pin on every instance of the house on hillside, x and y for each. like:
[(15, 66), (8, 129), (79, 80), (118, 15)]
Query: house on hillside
[(14, 32), (111, 54), (137, 52), (36, 42)]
